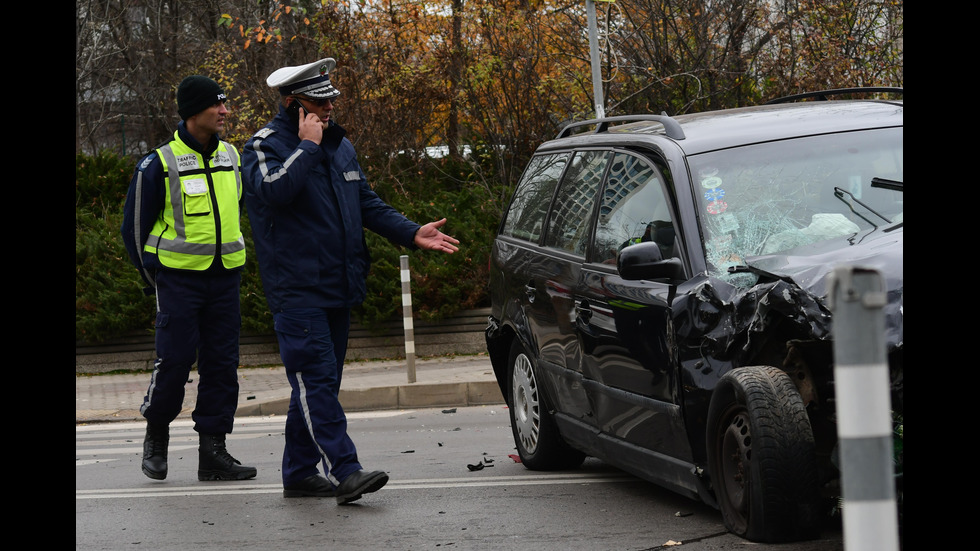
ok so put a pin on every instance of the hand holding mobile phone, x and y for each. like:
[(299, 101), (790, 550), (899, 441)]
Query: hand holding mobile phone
[(309, 129)]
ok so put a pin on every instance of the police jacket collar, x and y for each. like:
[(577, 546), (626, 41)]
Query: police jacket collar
[(191, 141)]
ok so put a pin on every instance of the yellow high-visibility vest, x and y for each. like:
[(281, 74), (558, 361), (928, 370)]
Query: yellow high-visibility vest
[(201, 216)]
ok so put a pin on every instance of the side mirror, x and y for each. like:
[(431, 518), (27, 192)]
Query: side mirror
[(645, 261)]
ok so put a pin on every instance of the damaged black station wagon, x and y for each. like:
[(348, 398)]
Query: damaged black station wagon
[(659, 298)]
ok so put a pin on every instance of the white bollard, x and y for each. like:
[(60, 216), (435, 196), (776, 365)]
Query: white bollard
[(864, 423), (407, 319)]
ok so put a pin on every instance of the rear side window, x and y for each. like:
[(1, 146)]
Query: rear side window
[(529, 207), (569, 225), (633, 210)]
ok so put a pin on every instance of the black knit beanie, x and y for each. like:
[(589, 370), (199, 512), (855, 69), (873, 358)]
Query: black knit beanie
[(195, 94)]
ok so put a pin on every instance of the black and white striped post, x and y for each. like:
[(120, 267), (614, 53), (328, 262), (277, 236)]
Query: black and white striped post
[(407, 319), (864, 424)]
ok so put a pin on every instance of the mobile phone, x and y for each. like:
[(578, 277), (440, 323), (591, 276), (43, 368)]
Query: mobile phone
[(293, 110)]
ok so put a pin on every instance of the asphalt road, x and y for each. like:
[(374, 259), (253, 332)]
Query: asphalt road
[(455, 484)]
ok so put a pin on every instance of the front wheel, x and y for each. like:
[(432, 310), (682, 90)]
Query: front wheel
[(539, 445), (761, 457)]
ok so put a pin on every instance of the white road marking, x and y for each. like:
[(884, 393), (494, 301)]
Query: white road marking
[(239, 489)]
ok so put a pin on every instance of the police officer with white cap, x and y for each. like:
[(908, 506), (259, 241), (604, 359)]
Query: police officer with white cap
[(308, 202), (181, 230)]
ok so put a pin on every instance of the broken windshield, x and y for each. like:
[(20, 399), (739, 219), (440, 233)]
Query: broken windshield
[(773, 197)]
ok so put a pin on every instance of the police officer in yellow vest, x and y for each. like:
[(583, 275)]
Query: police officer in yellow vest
[(181, 230)]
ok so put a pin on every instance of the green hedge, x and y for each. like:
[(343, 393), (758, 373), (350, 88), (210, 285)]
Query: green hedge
[(109, 302), (108, 297)]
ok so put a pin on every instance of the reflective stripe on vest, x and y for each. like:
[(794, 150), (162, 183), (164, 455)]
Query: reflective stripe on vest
[(202, 199)]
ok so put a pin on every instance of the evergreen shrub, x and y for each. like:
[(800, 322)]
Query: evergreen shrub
[(441, 284), (109, 301)]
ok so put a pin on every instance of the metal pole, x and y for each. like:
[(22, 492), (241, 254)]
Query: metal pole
[(600, 111), (864, 424), (407, 319)]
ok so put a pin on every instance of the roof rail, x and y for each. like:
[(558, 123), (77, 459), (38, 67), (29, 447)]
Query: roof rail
[(822, 94), (671, 127)]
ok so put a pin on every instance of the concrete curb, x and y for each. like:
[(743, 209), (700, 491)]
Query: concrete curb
[(375, 385)]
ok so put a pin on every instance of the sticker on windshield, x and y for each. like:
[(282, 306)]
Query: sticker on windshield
[(713, 195), (725, 223), (711, 182), (717, 207)]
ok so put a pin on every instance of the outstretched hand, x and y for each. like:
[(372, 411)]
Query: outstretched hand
[(429, 237)]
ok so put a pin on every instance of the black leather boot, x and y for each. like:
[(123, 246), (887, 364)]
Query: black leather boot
[(155, 451), (217, 464)]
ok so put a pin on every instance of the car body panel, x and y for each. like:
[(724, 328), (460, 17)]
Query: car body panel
[(539, 296), (625, 337)]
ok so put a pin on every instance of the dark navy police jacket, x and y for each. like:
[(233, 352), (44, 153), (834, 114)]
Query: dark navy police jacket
[(308, 205)]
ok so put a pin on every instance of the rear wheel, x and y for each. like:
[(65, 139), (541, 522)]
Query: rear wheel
[(539, 444), (761, 457)]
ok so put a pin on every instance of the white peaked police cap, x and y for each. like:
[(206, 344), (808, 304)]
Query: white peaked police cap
[(312, 79)]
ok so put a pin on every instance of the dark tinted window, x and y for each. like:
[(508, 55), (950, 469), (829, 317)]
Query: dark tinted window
[(569, 225), (633, 209), (529, 207)]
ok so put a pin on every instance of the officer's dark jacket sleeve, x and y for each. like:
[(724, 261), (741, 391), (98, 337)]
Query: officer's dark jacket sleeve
[(144, 202), (375, 214)]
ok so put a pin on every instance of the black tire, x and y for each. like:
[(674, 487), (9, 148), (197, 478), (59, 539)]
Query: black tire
[(761, 457), (539, 445)]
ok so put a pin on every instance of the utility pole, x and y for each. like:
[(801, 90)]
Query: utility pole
[(600, 111)]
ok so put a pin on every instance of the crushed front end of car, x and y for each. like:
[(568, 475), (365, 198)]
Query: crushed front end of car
[(773, 311)]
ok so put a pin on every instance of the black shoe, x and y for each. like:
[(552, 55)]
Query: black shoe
[(360, 483), (311, 486), (217, 464), (155, 451)]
